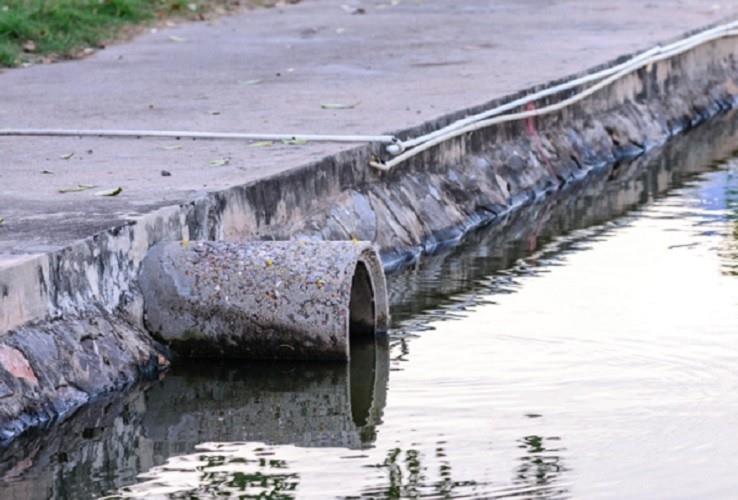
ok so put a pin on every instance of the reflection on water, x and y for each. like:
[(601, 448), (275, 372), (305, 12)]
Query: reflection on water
[(585, 346), (219, 470), (108, 444), (729, 250), (303, 404), (489, 260), (540, 467)]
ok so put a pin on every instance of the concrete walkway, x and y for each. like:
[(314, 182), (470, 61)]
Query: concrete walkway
[(399, 64)]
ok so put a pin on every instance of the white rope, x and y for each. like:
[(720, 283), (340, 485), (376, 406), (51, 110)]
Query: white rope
[(181, 134), (547, 92), (457, 129), (409, 148)]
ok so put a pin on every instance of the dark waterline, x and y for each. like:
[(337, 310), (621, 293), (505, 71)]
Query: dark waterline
[(586, 346)]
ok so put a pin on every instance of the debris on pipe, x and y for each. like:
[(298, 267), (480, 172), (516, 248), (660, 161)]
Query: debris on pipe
[(264, 299)]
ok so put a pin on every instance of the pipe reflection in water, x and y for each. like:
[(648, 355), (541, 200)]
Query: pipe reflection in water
[(108, 444), (301, 404)]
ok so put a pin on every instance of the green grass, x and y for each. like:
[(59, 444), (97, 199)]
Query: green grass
[(33, 29)]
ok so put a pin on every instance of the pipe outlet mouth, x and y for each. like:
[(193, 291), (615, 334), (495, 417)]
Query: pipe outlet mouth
[(264, 299), (362, 309)]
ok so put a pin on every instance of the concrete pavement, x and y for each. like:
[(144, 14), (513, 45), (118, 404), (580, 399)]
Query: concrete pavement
[(399, 65)]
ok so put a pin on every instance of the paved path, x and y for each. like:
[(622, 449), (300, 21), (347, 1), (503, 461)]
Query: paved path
[(400, 64)]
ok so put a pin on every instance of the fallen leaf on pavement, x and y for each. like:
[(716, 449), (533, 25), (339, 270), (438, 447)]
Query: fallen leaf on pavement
[(219, 162), (110, 192), (261, 144), (77, 188), (294, 142), (66, 156), (353, 10), (336, 105)]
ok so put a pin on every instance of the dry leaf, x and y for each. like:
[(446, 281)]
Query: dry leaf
[(66, 156), (250, 82), (110, 192), (171, 148), (294, 141), (353, 10), (336, 105), (77, 188), (219, 162), (261, 144), (177, 39)]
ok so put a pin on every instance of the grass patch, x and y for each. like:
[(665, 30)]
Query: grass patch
[(36, 29)]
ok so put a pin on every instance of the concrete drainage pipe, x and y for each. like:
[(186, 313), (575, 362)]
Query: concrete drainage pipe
[(264, 299)]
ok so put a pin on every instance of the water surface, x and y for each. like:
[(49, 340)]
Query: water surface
[(586, 347)]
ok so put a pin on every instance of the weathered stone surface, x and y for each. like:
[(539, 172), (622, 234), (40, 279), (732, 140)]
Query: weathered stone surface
[(16, 365), (264, 300), (438, 196), (606, 193), (48, 370)]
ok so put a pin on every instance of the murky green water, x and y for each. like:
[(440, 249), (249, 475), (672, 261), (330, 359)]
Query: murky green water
[(587, 347)]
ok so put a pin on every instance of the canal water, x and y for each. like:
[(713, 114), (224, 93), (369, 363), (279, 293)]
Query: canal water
[(586, 346)]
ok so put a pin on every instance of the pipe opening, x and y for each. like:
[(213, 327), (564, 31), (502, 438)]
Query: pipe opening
[(362, 322)]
